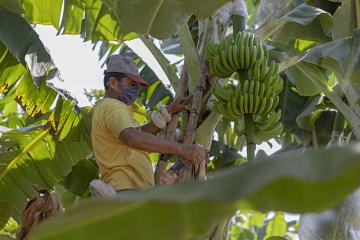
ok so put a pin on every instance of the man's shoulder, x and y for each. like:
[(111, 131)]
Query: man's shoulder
[(110, 103)]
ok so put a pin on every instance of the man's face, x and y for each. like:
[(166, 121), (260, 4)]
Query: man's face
[(118, 85)]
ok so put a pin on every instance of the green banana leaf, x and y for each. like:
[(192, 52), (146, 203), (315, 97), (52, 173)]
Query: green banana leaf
[(43, 11), (26, 62), (156, 92), (191, 55), (311, 112), (78, 180), (277, 226), (343, 58), (32, 158), (12, 5), (160, 18), (68, 123), (345, 19), (303, 85), (303, 22), (291, 105), (92, 19), (300, 181), (169, 69)]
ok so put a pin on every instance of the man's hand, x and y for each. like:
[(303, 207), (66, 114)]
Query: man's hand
[(193, 152), (180, 105), (169, 178)]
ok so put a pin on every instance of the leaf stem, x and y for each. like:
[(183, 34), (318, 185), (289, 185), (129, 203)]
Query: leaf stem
[(249, 132), (165, 64), (239, 23)]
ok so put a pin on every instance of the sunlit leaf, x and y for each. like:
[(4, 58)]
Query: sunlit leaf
[(162, 18), (32, 158), (298, 181)]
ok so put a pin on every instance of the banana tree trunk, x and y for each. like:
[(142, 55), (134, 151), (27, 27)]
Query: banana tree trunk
[(170, 133), (190, 169)]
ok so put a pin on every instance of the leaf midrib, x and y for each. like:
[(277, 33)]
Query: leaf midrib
[(22, 153), (154, 16)]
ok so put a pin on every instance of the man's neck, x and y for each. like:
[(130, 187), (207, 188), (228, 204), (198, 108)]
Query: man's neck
[(110, 94)]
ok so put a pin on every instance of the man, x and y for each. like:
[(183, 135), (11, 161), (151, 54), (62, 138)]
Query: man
[(120, 145)]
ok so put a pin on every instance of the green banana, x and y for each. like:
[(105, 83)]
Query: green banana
[(229, 95), (219, 68), (246, 103), (235, 108), (220, 93), (247, 58), (273, 117), (256, 71), (245, 87), (251, 87), (230, 111), (273, 130), (262, 106), (279, 85), (237, 38), (264, 69), (242, 56), (217, 107), (238, 90), (262, 54), (269, 105), (256, 103), (269, 74), (256, 88), (254, 55), (251, 40), (251, 103), (221, 109), (231, 58), (275, 103), (235, 55), (266, 52), (262, 90), (241, 104), (224, 62), (210, 50)]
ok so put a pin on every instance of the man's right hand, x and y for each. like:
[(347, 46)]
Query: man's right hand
[(193, 152)]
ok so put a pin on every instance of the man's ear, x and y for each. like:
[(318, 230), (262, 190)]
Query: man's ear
[(112, 83)]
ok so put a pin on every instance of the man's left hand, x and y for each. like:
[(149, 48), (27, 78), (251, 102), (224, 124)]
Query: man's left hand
[(169, 178), (180, 104)]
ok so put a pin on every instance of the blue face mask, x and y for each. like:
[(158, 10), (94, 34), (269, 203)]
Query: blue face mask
[(129, 94)]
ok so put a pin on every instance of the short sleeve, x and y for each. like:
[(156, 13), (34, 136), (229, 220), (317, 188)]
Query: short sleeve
[(117, 117)]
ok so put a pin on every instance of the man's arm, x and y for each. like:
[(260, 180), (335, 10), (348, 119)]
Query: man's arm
[(150, 128), (138, 139)]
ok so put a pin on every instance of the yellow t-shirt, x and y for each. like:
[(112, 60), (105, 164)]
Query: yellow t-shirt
[(120, 165)]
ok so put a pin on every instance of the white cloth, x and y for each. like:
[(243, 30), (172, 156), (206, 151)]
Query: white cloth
[(99, 189), (239, 8), (161, 117)]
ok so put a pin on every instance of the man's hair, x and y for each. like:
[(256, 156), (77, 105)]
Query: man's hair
[(108, 75)]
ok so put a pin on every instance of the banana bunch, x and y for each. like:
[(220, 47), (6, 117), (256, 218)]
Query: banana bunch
[(268, 127), (256, 93), (248, 97), (267, 74), (240, 53)]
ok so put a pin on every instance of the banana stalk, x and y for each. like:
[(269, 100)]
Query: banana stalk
[(204, 133), (249, 132)]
